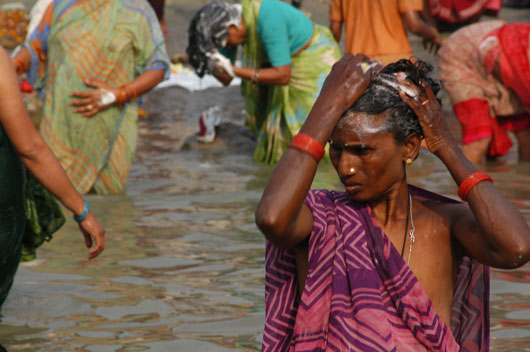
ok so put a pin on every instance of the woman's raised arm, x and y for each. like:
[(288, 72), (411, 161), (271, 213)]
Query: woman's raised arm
[(491, 229), (282, 215)]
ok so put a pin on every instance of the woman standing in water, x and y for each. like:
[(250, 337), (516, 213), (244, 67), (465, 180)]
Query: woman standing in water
[(285, 60), (91, 59), (485, 68), (384, 265), (20, 141)]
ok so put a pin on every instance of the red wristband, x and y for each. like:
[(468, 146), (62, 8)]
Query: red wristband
[(309, 145), (470, 182)]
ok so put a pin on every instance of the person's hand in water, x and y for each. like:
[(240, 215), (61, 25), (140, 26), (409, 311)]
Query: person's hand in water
[(91, 102), (430, 114), (93, 232)]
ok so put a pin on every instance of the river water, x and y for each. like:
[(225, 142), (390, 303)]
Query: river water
[(183, 267)]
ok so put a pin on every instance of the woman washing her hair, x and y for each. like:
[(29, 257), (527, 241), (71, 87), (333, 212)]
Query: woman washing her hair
[(285, 60), (382, 265)]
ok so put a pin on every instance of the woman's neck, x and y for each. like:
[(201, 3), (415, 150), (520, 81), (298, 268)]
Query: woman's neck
[(392, 206)]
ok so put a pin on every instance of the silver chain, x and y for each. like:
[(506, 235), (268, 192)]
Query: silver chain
[(412, 230)]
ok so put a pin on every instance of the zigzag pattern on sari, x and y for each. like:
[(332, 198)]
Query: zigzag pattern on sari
[(360, 295)]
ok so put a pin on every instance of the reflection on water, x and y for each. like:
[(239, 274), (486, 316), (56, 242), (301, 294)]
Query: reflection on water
[(183, 268)]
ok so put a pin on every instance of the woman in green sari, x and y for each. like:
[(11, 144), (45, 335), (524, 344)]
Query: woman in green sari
[(20, 142), (285, 59), (90, 59)]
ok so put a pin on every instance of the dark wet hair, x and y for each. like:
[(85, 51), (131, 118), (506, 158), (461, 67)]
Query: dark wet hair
[(381, 95), (208, 30)]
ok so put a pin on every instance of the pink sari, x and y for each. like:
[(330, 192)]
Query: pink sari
[(360, 295)]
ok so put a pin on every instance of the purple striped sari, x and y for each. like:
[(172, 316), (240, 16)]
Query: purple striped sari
[(386, 310)]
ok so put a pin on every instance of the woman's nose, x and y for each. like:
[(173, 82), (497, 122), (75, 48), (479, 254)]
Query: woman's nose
[(347, 166)]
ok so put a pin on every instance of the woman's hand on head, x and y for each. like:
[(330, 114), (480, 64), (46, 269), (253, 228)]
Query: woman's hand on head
[(429, 112), (91, 102), (93, 231), (348, 79)]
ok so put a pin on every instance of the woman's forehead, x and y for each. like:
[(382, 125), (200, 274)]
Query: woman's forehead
[(362, 123)]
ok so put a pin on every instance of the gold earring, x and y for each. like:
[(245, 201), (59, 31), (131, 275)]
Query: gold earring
[(408, 161)]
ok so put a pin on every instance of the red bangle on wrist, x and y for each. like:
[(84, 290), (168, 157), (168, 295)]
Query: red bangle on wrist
[(122, 96), (309, 145), (470, 182), (131, 92)]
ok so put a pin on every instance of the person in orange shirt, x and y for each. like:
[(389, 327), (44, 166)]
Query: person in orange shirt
[(377, 28)]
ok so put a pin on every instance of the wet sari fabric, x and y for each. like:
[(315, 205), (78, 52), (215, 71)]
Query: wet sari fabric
[(12, 218), (275, 113), (72, 44), (456, 11), (360, 295)]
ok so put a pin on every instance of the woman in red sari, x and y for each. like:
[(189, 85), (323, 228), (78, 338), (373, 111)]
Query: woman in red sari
[(485, 70)]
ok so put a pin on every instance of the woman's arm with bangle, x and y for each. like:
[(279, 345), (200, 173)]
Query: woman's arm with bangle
[(282, 215), (146, 81), (38, 157), (89, 102), (279, 75), (491, 229)]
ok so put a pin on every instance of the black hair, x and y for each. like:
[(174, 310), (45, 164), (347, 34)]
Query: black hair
[(208, 30), (382, 95)]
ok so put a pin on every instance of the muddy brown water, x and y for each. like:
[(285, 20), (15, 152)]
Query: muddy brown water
[(183, 268)]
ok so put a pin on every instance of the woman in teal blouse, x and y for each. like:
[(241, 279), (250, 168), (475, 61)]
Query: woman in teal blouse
[(285, 59)]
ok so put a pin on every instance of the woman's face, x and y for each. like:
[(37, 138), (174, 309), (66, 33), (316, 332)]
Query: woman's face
[(236, 35), (367, 158)]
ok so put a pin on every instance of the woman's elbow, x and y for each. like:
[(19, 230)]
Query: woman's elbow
[(32, 149), (414, 27), (270, 225), (284, 79), (518, 255), (521, 255), (265, 221), (159, 77)]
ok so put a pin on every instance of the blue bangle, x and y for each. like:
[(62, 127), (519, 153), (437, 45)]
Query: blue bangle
[(83, 215)]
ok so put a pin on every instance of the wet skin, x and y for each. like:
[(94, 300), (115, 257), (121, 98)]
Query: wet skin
[(488, 228), (375, 156), (359, 141)]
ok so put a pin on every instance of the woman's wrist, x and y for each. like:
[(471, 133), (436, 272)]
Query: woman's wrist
[(309, 145), (125, 94), (80, 216), (321, 121), (255, 76)]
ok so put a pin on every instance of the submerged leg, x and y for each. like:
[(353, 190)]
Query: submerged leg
[(476, 151), (523, 138)]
